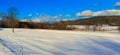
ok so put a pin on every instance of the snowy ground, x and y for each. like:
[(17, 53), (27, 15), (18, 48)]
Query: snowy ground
[(52, 42)]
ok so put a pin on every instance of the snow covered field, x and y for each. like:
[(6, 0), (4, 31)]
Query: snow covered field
[(52, 42)]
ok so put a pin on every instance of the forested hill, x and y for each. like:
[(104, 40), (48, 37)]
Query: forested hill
[(110, 20)]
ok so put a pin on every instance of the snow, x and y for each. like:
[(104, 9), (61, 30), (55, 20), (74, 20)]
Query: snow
[(53, 42), (104, 27)]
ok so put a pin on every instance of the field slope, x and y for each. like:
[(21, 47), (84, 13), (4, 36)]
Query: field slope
[(52, 42)]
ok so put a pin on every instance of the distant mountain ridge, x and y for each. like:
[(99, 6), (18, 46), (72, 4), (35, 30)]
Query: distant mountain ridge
[(107, 20)]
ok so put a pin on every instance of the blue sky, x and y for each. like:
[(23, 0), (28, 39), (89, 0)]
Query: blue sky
[(71, 8)]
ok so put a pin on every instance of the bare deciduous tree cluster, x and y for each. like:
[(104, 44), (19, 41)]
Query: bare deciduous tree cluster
[(10, 19)]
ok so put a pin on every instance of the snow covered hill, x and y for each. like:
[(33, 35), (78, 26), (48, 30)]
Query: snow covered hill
[(52, 42)]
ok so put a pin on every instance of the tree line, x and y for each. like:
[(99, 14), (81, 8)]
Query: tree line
[(10, 20)]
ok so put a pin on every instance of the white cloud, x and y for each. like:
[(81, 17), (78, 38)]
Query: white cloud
[(68, 19), (117, 4), (86, 13), (78, 14), (30, 14), (55, 17), (60, 15), (68, 15), (44, 18), (49, 19), (37, 14), (99, 13)]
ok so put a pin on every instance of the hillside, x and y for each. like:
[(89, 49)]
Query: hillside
[(110, 20)]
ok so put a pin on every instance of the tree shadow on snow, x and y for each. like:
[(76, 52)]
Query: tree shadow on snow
[(108, 44), (1, 28)]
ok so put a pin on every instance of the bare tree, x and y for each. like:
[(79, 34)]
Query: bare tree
[(3, 16), (12, 16)]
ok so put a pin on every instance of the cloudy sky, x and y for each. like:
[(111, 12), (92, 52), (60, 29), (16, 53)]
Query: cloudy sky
[(65, 9)]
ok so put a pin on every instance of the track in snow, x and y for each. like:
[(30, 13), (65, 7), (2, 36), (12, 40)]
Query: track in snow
[(49, 42)]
